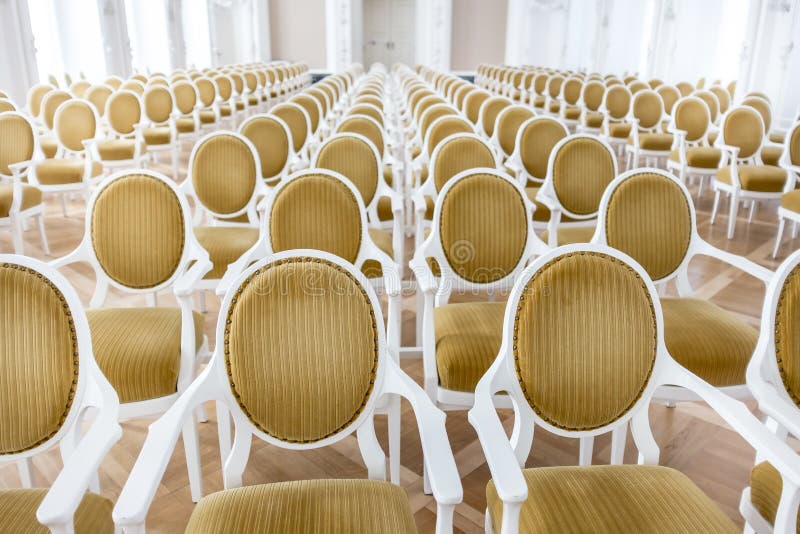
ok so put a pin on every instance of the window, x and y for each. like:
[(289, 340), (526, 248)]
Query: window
[(149, 36), (196, 34)]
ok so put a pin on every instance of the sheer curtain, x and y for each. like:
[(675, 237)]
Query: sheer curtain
[(148, 32), (196, 33)]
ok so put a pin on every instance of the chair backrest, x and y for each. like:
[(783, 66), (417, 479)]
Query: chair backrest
[(723, 97), (458, 153), (793, 144), (580, 168), (691, 115), (655, 83), (50, 103), (18, 140), (75, 121), (617, 102), (354, 157), (535, 141), (490, 108), (224, 87), (133, 85), (444, 127), (685, 88), (312, 107), (185, 97), (593, 92), (366, 126), (743, 127), (206, 91), (508, 123), (224, 168), (369, 110), (113, 81), (571, 90), (158, 104), (273, 142), (637, 85), (554, 83), (648, 109), (763, 107), (669, 96), (473, 103), (123, 112), (711, 101), (431, 114), (6, 105), (98, 95), (296, 118), (35, 96)]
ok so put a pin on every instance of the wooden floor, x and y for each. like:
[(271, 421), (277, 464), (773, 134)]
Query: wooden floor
[(692, 438)]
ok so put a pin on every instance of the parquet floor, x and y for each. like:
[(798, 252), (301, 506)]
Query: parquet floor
[(692, 438)]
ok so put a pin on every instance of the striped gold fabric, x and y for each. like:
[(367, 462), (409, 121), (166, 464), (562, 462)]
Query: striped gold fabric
[(16, 141), (271, 142), (31, 196), (318, 506), (468, 337), (766, 486), (206, 91), (473, 104), (537, 141), (648, 218), (489, 111), (762, 107), (38, 356), (444, 128), (369, 111), (593, 95), (669, 96), (139, 349), (508, 125), (433, 113), (648, 108), (75, 123), (618, 101), (50, 104), (65, 171), (794, 147), (137, 231), (692, 117), (771, 155), (582, 170), (483, 228), (457, 155), (787, 340), (295, 119), (383, 240), (35, 97), (224, 174), (310, 105), (225, 244), (185, 97), (124, 112), (613, 498), (585, 340), (355, 160), (711, 342), (711, 101), (18, 513), (763, 178), (302, 361), (318, 212), (742, 128), (365, 127)]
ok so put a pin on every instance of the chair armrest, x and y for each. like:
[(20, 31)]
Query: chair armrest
[(439, 460), (21, 166), (741, 263), (773, 405), (733, 150), (419, 202), (77, 255), (423, 274), (257, 251), (185, 285)]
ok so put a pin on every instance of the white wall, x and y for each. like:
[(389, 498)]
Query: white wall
[(479, 30), (297, 31)]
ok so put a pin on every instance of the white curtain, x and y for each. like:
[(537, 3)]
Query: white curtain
[(148, 32), (194, 18)]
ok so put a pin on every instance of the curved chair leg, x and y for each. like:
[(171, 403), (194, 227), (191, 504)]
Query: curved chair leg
[(223, 431), (191, 445), (781, 225), (16, 235), (734, 208), (752, 211), (43, 234), (794, 229), (394, 439), (619, 436), (25, 470), (716, 206), (63, 204), (587, 447)]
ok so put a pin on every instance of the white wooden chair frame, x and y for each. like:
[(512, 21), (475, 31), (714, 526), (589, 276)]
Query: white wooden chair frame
[(139, 158), (302, 156), (682, 167), (515, 162), (634, 151), (495, 139), (272, 180), (793, 174), (174, 145), (618, 143)]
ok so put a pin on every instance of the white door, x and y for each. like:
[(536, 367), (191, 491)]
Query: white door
[(388, 32)]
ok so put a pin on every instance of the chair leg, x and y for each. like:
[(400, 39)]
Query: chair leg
[(223, 432), (16, 235), (201, 301), (734, 208), (587, 447), (25, 470), (191, 445), (752, 211), (716, 205), (175, 162), (781, 225), (394, 439), (618, 438), (63, 204), (43, 234), (794, 229)]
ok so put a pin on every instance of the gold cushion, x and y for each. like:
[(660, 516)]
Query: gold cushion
[(712, 136), (765, 490), (620, 130), (761, 178), (415, 152), (224, 110), (702, 157), (139, 349), (555, 107), (225, 244), (388, 175), (711, 342), (18, 512), (777, 137), (593, 119), (207, 117), (791, 200), (31, 196), (771, 154), (49, 147), (606, 498), (655, 141), (382, 240), (185, 125), (239, 105), (568, 235), (329, 506), (468, 337), (119, 149), (157, 136), (572, 113), (64, 171)]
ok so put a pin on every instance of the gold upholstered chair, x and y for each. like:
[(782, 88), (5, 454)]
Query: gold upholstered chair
[(208, 113), (49, 379), (187, 110), (487, 116), (272, 140), (339, 367), (159, 130), (139, 241), (507, 125), (647, 140), (34, 99), (693, 155), (591, 119), (225, 102), (771, 151), (769, 504), (579, 169), (98, 95), (580, 371), (124, 145), (789, 209), (616, 112), (296, 118), (742, 175), (570, 102), (50, 104), (536, 138)]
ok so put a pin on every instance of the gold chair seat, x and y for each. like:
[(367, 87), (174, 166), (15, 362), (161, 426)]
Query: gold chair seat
[(325, 506), (711, 342), (791, 200), (382, 240), (703, 157), (620, 130), (415, 152), (253, 100), (64, 171), (555, 107), (49, 147), (712, 137), (760, 178), (771, 154), (18, 512), (593, 119), (538, 102), (225, 245), (31, 196), (777, 137), (388, 174), (157, 136), (139, 349), (239, 105), (119, 149), (655, 141), (542, 213), (568, 235), (468, 337), (765, 490), (207, 117), (612, 498), (224, 110), (185, 125), (572, 113)]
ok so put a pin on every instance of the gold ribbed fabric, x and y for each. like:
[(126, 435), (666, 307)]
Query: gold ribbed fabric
[(365, 127), (536, 143), (742, 128), (654, 141), (98, 95), (445, 128), (139, 349), (124, 112), (76, 123), (691, 117), (295, 119), (16, 142), (618, 101), (593, 95), (787, 340), (38, 356), (509, 124), (64, 171), (582, 170), (318, 212), (158, 104), (585, 340), (770, 155), (762, 178), (157, 136), (50, 104), (355, 160), (306, 506), (369, 111), (723, 97), (612, 498), (18, 513), (137, 231), (224, 174), (185, 97), (225, 244), (483, 228), (31, 196), (271, 142), (763, 109), (473, 104), (185, 125), (35, 96), (206, 91), (301, 360), (766, 486), (468, 337), (382, 240), (711, 102), (701, 156), (648, 218), (6, 105), (791, 200), (669, 95), (572, 90), (119, 149), (794, 146), (490, 109), (457, 155), (431, 115), (648, 108), (224, 87), (310, 105), (711, 342)]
